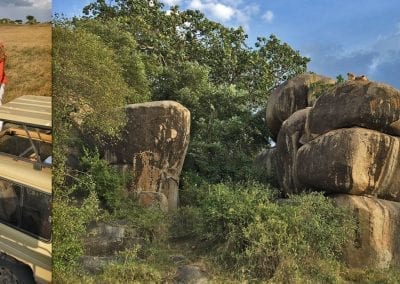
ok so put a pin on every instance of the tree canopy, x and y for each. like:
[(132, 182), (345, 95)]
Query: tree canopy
[(130, 51)]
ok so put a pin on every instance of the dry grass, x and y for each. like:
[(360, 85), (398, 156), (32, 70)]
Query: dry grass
[(29, 60)]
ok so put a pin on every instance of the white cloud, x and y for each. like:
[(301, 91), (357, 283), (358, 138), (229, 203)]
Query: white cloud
[(387, 50), (171, 2), (196, 5), (221, 11), (398, 29), (231, 12), (244, 15), (216, 9), (268, 16), (41, 3), (378, 59)]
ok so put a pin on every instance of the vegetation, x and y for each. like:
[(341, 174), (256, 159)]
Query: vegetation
[(255, 237), (131, 52), (31, 20)]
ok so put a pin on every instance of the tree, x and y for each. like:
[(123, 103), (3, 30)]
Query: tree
[(127, 55), (204, 65), (31, 20), (89, 88)]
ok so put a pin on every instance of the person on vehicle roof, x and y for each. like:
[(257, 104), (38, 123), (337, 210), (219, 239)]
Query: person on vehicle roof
[(3, 77)]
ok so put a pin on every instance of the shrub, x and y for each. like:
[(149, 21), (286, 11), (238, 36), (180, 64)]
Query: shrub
[(108, 182), (299, 239), (381, 276), (149, 224), (86, 95), (69, 228), (130, 273), (253, 235)]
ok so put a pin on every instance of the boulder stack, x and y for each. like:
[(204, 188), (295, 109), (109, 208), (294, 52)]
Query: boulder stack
[(345, 143)]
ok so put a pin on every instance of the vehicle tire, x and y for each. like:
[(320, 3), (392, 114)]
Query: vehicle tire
[(13, 271)]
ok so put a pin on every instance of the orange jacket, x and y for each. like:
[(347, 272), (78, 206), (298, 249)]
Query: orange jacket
[(3, 77)]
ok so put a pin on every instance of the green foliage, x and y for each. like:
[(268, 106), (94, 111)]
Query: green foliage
[(129, 51), (339, 79), (127, 56), (132, 272), (273, 62), (87, 83), (186, 83), (256, 236), (107, 181), (149, 224), (31, 20), (130, 269), (319, 88), (209, 68), (226, 132), (376, 276), (70, 218)]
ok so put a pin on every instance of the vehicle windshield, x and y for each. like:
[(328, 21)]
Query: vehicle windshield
[(25, 209)]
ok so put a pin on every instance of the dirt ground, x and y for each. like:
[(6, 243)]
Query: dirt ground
[(28, 67)]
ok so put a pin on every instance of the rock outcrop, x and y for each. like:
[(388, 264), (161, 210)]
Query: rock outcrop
[(288, 143), (347, 143), (355, 161), (154, 146), (293, 95), (376, 242), (365, 104)]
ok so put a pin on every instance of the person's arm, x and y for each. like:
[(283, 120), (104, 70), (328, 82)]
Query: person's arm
[(3, 79)]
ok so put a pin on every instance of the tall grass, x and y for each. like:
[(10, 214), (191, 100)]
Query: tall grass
[(29, 60)]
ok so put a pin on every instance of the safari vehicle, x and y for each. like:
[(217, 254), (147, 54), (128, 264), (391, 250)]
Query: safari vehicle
[(25, 190)]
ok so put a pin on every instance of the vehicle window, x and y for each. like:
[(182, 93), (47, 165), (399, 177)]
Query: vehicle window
[(9, 203), (26, 209)]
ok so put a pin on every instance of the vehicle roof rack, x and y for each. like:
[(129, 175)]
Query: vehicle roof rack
[(21, 172), (32, 111), (29, 112)]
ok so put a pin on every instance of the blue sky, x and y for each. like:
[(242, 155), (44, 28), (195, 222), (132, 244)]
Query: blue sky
[(19, 9), (359, 36)]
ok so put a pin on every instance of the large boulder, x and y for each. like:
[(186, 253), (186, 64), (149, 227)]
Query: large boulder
[(291, 96), (376, 243), (357, 103), (288, 143), (354, 160), (154, 143)]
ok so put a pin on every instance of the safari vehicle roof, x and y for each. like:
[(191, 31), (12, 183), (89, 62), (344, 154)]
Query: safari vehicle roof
[(22, 172), (34, 111)]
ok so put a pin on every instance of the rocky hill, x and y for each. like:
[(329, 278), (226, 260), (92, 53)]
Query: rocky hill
[(342, 139)]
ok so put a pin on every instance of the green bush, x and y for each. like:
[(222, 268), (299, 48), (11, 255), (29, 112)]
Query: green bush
[(108, 182), (89, 85), (130, 273), (69, 227), (376, 276), (149, 224), (253, 235)]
